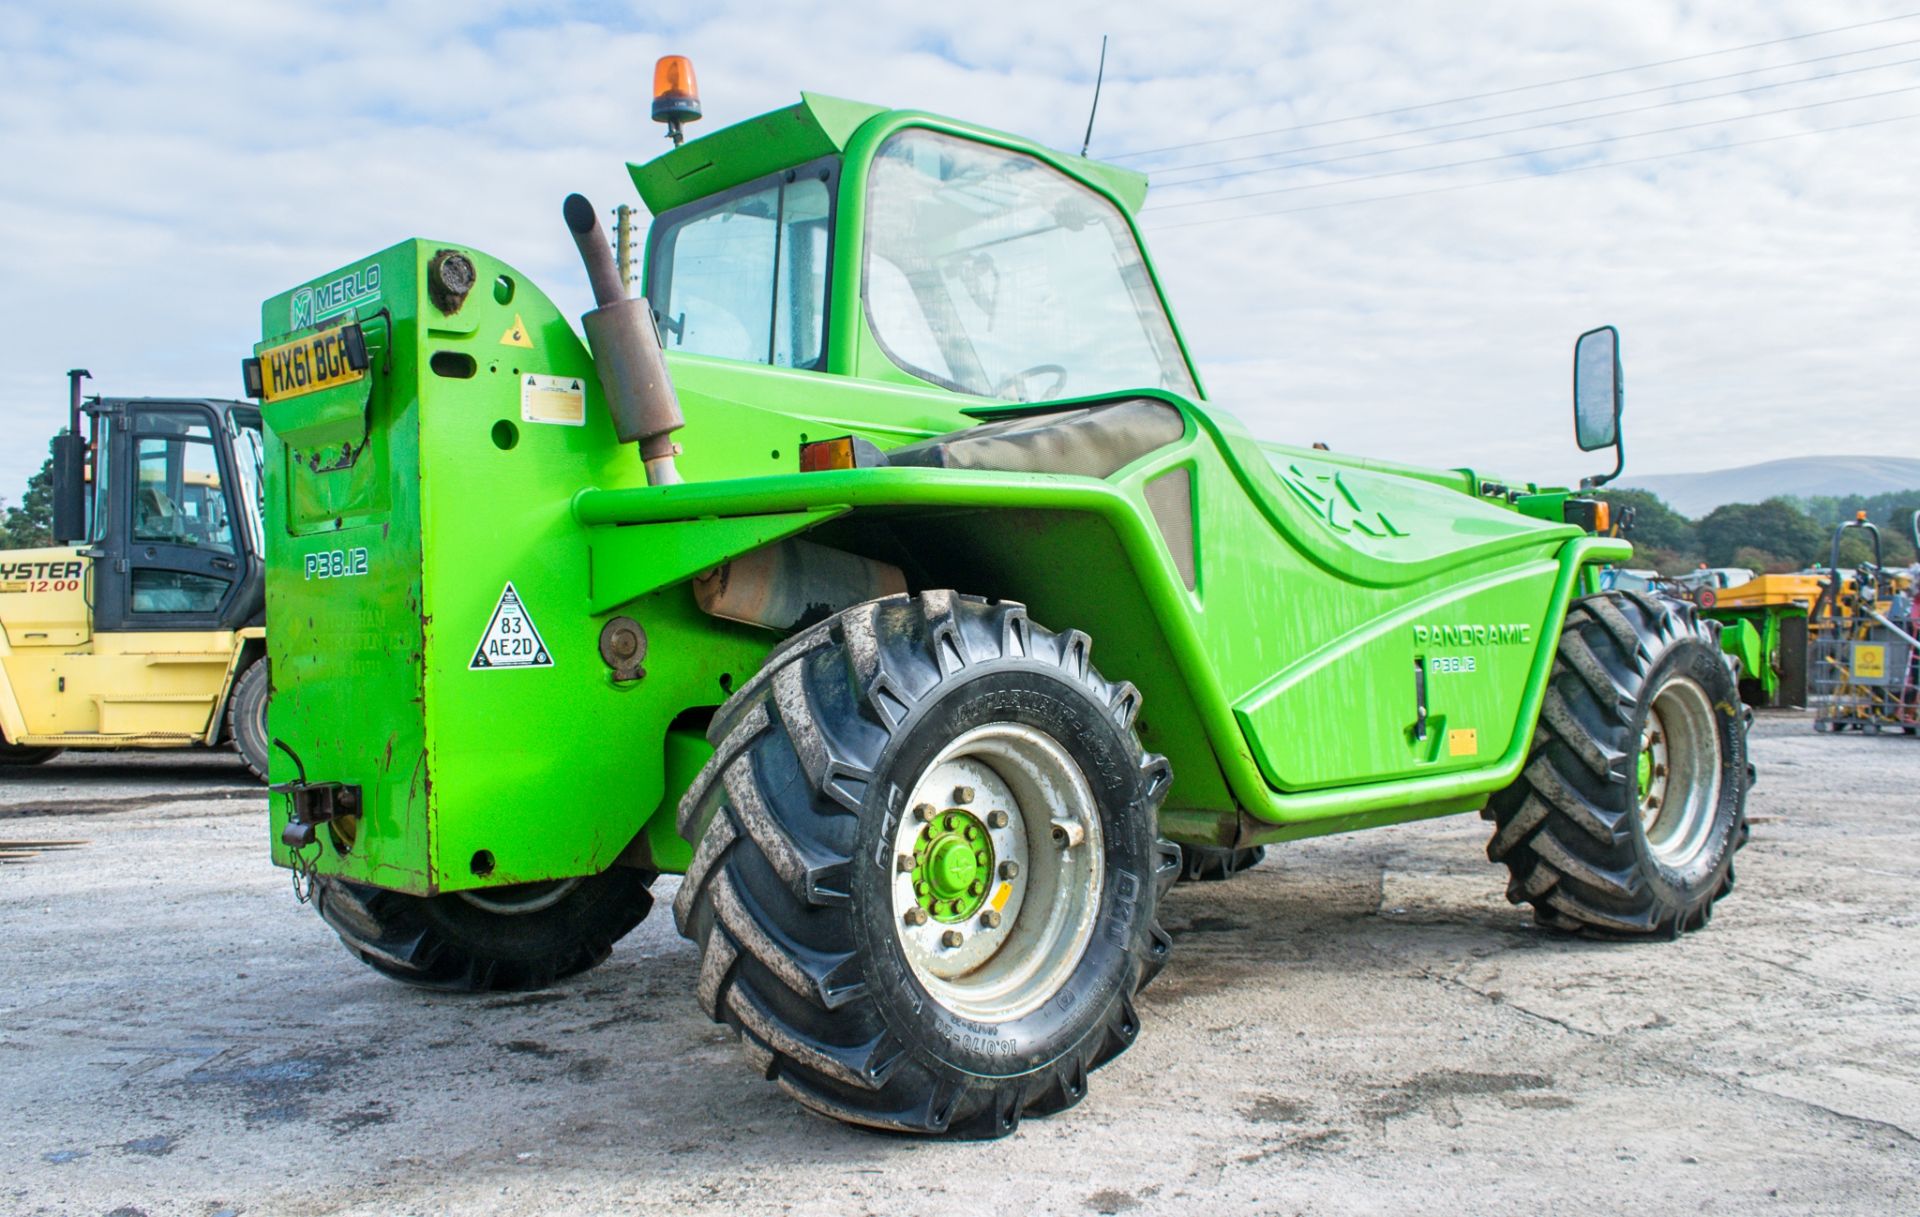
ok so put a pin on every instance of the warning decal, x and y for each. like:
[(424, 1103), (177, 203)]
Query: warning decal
[(553, 399), (516, 335), (511, 641)]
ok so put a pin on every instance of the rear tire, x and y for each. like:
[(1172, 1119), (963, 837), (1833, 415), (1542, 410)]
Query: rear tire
[(866, 999), (1213, 863), (247, 718), (1625, 821), (494, 940), (20, 754)]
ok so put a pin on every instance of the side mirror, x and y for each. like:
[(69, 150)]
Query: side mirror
[(69, 488), (1598, 395)]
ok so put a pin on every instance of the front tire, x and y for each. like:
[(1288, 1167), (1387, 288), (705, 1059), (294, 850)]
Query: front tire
[(1625, 821), (505, 939), (858, 925)]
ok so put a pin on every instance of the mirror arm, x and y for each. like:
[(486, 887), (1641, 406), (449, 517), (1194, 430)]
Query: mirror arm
[(1597, 480)]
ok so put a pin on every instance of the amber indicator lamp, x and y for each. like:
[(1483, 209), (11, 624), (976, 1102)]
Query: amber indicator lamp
[(676, 95)]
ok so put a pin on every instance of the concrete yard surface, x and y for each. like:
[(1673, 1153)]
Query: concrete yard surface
[(1360, 1025)]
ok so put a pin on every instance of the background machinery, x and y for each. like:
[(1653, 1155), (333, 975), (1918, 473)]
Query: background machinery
[(1865, 653), (142, 626), (915, 604)]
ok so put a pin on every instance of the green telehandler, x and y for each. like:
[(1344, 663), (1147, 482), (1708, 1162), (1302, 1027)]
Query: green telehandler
[(887, 573)]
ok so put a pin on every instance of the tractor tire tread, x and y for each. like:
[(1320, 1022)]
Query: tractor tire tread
[(1569, 852), (765, 905)]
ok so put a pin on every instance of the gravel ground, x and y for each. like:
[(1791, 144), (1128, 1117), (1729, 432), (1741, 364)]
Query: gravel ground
[(1360, 1025)]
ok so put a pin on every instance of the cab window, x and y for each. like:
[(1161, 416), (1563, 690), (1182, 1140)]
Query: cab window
[(744, 275), (178, 500), (993, 273)]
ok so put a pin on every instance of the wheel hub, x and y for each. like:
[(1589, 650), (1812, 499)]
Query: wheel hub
[(999, 872), (953, 862), (1678, 775)]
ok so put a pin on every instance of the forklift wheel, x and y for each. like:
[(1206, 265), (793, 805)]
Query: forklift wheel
[(494, 940), (926, 867), (1212, 863), (247, 718), (18, 754), (1625, 821)]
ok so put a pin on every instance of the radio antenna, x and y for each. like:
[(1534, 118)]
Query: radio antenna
[(1097, 78)]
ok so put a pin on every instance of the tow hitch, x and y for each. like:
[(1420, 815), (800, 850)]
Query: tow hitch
[(314, 804)]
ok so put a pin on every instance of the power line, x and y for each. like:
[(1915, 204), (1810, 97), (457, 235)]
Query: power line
[(1563, 105), (1567, 80), (1507, 156), (1528, 177), (1562, 122)]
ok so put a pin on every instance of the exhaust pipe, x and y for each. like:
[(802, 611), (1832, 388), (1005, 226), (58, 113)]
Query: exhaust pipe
[(626, 352)]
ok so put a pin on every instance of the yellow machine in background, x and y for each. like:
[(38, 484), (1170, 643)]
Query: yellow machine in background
[(143, 626), (1865, 654)]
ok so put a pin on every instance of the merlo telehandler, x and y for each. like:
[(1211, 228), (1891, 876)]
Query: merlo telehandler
[(887, 572)]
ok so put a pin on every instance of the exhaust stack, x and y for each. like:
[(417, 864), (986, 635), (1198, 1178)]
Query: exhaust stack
[(626, 352)]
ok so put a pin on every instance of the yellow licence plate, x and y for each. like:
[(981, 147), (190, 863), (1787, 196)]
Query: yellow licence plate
[(307, 365)]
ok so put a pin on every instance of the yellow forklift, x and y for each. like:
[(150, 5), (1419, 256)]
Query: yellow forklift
[(143, 624)]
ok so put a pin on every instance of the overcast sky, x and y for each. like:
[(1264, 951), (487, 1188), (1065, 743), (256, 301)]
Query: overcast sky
[(169, 165)]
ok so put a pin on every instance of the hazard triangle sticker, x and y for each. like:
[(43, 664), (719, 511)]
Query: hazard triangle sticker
[(511, 641)]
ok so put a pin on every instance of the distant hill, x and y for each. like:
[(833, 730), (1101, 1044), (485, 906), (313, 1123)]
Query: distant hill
[(1696, 494)]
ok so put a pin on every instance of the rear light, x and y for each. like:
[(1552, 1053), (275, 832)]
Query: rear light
[(841, 452), (1594, 515)]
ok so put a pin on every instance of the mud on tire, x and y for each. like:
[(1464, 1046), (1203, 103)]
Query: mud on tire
[(791, 893), (499, 939), (1588, 832)]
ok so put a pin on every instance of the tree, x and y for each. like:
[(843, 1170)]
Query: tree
[(1891, 510), (1775, 526), (30, 525), (1761, 562)]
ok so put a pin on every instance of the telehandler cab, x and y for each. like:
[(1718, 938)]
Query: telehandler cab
[(142, 625), (920, 609)]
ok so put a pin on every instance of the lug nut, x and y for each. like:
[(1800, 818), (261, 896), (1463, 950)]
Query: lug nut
[(905, 863), (952, 938), (1009, 870), (923, 812), (916, 916), (990, 919), (963, 794), (977, 888), (996, 819)]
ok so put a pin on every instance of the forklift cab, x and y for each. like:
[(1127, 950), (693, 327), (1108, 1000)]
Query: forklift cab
[(172, 517)]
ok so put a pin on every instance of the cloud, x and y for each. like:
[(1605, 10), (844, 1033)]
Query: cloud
[(171, 165)]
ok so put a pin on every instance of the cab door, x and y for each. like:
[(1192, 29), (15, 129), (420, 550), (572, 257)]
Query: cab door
[(172, 573)]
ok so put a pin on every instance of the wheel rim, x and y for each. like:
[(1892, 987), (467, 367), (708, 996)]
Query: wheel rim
[(999, 867), (519, 899), (1679, 772)]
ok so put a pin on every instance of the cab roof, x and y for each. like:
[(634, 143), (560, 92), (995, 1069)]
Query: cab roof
[(818, 126)]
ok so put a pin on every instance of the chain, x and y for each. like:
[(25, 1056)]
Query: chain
[(303, 872)]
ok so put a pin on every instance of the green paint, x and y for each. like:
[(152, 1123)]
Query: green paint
[(1753, 636), (1281, 685), (952, 866), (1644, 770)]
